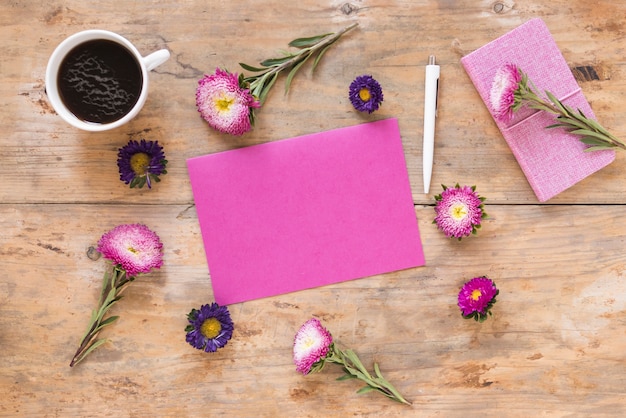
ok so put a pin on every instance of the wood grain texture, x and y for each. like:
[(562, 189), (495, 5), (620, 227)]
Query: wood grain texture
[(554, 346)]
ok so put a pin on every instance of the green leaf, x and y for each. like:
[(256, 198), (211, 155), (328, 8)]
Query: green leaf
[(92, 347), (346, 376), (293, 72), (319, 56), (106, 322), (272, 62), (308, 42), (266, 89), (588, 133), (365, 389), (251, 68)]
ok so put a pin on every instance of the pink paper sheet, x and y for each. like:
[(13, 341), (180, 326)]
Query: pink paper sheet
[(306, 212)]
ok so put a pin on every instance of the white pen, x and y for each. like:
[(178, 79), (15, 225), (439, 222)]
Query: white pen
[(431, 87)]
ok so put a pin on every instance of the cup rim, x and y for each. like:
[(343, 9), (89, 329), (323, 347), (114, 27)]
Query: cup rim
[(52, 69)]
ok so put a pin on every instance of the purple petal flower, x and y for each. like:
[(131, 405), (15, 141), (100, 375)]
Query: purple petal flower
[(459, 211), (134, 247), (366, 94), (477, 297), (224, 104), (141, 163), (210, 327), (311, 344), (502, 93)]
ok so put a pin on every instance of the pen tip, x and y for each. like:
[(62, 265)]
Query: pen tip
[(431, 60)]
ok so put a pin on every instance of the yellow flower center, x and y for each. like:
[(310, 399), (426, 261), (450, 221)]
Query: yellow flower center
[(458, 211), (364, 94), (139, 163), (211, 328), (223, 103), (476, 294)]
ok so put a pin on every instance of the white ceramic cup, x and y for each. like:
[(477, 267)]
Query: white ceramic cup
[(146, 64)]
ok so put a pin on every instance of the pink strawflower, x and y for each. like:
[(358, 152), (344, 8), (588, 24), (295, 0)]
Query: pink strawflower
[(311, 344), (477, 297), (459, 211), (134, 247), (502, 94), (224, 104)]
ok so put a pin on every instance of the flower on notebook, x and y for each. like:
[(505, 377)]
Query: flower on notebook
[(511, 89), (210, 327), (313, 347), (130, 250), (365, 94), (477, 297), (459, 211), (141, 163), (227, 101)]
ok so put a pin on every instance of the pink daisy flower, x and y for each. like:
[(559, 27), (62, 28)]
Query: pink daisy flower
[(459, 211), (502, 94), (477, 297), (224, 104), (134, 247), (311, 344)]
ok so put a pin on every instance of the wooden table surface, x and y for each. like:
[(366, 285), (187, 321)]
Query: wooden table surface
[(555, 345)]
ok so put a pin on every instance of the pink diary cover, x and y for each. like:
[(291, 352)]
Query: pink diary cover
[(306, 211), (552, 159)]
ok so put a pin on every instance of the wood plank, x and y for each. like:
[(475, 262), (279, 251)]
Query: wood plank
[(53, 162), (551, 347)]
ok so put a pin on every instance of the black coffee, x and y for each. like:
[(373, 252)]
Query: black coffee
[(99, 81)]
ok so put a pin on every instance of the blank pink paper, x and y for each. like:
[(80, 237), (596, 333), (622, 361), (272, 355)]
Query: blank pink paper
[(306, 212)]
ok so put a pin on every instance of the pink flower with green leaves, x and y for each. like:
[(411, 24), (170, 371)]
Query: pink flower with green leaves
[(224, 104), (459, 211), (502, 93), (511, 89), (313, 347), (134, 247), (477, 297), (312, 343)]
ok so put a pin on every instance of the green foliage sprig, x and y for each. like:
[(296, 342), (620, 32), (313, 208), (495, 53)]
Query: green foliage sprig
[(266, 75)]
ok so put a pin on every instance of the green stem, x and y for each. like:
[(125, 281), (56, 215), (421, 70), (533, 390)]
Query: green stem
[(257, 82), (589, 131), (354, 368), (113, 283)]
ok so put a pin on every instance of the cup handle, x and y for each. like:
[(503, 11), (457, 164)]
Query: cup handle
[(156, 58)]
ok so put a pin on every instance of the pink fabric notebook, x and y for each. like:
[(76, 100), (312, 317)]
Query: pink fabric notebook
[(305, 212), (552, 159)]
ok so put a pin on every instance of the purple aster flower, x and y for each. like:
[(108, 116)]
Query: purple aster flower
[(477, 297), (311, 344), (365, 94), (502, 94), (224, 104), (459, 211), (135, 248), (141, 163), (210, 327)]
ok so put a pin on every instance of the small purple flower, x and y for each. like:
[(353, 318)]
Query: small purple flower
[(210, 327), (312, 343), (141, 163), (134, 247), (459, 211), (502, 94), (366, 94), (224, 104), (477, 297)]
